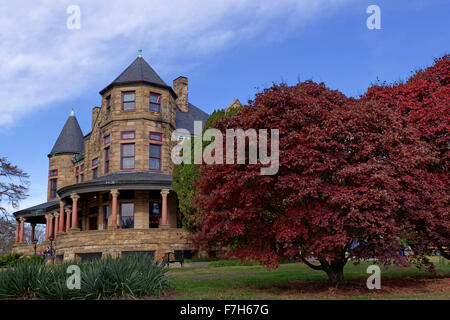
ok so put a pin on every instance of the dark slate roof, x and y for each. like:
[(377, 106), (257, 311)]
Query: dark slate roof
[(139, 71), (185, 120), (38, 209), (70, 139)]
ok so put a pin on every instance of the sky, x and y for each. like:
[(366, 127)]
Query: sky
[(227, 49)]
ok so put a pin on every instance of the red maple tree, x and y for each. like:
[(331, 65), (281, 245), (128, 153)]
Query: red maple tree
[(424, 102), (352, 183)]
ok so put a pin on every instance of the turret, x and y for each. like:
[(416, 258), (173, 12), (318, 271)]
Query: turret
[(70, 142)]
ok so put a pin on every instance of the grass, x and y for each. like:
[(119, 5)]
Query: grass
[(232, 263), (297, 281), (205, 259)]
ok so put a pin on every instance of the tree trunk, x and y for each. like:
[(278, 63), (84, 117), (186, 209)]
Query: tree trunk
[(335, 271), (336, 276), (444, 253)]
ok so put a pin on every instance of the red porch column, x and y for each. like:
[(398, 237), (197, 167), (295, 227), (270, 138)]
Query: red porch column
[(56, 228), (61, 215), (115, 194), (164, 193), (22, 227), (74, 198), (50, 225), (68, 219), (17, 231), (46, 227), (33, 231)]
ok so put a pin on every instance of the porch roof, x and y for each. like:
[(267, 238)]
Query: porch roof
[(38, 210), (132, 180)]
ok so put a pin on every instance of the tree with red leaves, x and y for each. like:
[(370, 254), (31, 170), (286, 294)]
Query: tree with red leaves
[(351, 183), (424, 102)]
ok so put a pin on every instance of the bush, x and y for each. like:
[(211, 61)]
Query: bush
[(9, 259), (132, 276)]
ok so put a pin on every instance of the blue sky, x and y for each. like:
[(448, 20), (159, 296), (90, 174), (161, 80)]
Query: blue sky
[(227, 49)]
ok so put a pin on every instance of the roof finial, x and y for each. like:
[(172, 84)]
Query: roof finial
[(140, 53), (72, 114)]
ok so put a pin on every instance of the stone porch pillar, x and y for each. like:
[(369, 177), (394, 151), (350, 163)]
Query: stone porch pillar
[(75, 198), (61, 215), (56, 215), (17, 231), (115, 194), (164, 193), (68, 211), (33, 231), (22, 227)]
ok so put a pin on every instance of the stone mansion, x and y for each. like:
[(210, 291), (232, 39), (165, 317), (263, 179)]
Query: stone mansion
[(110, 190)]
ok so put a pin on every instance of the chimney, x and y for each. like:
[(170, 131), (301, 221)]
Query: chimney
[(95, 112), (180, 86)]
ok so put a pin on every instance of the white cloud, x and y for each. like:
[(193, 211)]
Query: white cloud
[(43, 62)]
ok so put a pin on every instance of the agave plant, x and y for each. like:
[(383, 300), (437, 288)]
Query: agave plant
[(22, 279), (131, 276)]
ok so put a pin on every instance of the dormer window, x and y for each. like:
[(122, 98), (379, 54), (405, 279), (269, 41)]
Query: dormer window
[(155, 102), (108, 105), (128, 100)]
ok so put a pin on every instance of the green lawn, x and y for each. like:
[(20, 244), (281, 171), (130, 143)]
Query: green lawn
[(297, 281)]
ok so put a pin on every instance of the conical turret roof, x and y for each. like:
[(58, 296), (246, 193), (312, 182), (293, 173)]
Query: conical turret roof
[(139, 71), (70, 139)]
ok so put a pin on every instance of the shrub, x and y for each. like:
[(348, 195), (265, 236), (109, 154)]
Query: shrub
[(9, 259), (106, 278)]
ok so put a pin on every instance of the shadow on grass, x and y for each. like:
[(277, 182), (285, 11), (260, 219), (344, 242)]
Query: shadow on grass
[(357, 288)]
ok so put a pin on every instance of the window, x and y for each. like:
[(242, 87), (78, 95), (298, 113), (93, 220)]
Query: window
[(95, 173), (155, 102), (128, 100), (156, 136), (127, 135), (94, 162), (107, 154), (154, 214), (108, 106), (127, 215), (155, 157), (53, 187), (107, 139), (53, 173), (127, 156), (79, 175), (105, 216)]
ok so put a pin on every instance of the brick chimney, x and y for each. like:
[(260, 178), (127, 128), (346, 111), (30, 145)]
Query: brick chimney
[(180, 86)]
